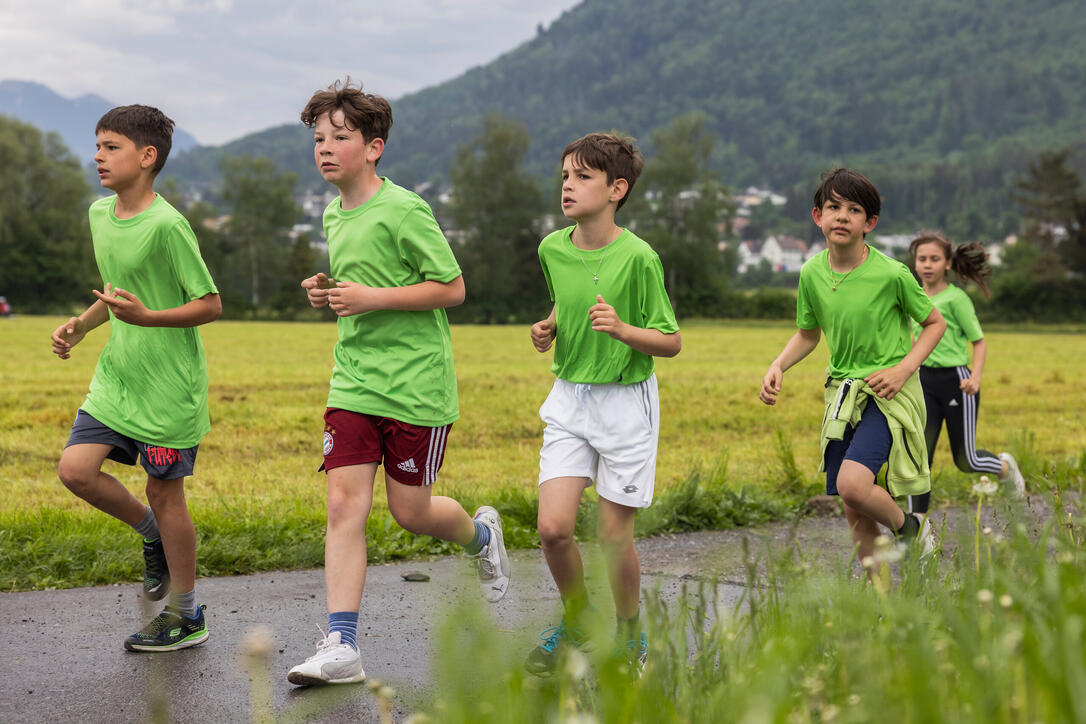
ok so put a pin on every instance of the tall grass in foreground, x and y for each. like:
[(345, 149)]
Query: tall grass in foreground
[(1002, 641)]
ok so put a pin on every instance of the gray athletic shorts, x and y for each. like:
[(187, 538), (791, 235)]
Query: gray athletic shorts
[(163, 463)]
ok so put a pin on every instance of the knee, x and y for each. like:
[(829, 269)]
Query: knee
[(614, 538), (162, 493), (343, 509), (554, 533), (76, 478), (407, 517), (851, 492)]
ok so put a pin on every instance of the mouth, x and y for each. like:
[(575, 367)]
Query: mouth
[(327, 166), (567, 201)]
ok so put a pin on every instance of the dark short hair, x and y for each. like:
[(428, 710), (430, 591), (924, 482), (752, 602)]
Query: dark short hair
[(371, 114), (851, 186), (615, 155), (145, 125)]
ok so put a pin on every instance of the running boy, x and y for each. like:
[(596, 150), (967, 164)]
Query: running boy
[(393, 391), (951, 390), (148, 398), (863, 299), (611, 315)]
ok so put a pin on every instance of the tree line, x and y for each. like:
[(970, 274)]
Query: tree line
[(494, 217)]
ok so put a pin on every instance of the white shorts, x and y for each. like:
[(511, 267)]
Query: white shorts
[(607, 433)]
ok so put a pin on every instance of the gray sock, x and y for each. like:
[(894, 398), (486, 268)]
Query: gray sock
[(185, 603), (148, 527)]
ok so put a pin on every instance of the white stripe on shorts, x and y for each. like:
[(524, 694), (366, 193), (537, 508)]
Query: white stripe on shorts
[(438, 436)]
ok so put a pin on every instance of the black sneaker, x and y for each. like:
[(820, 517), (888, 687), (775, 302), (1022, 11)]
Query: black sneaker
[(170, 631), (543, 659), (156, 574)]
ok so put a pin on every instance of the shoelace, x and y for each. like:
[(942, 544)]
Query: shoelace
[(161, 622), (486, 569), (551, 636), (152, 563)]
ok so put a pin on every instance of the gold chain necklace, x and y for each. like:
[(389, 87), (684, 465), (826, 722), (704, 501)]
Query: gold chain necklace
[(835, 280)]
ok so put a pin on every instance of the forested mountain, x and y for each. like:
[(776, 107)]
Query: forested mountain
[(942, 102)]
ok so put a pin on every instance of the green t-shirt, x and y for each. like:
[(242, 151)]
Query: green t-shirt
[(962, 327), (631, 279), (866, 321), (151, 382), (392, 363)]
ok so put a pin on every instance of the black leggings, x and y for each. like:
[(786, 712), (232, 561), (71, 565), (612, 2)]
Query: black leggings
[(945, 400)]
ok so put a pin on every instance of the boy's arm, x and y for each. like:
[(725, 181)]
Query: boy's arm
[(802, 343), (127, 307), (604, 318), (888, 382), (348, 298), (971, 385), (544, 331), (75, 329)]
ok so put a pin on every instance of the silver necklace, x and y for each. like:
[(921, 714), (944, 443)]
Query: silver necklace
[(595, 274)]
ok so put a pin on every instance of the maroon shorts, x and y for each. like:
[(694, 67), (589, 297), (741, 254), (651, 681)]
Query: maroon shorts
[(412, 454)]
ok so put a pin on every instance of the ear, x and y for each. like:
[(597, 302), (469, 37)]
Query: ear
[(870, 225), (148, 156), (816, 214), (374, 149), (619, 189)]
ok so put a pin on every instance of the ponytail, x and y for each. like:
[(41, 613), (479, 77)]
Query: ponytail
[(968, 261)]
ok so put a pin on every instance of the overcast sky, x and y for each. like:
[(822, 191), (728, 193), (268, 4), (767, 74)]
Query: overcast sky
[(224, 68)]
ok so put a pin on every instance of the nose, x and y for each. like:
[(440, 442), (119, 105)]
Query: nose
[(98, 156)]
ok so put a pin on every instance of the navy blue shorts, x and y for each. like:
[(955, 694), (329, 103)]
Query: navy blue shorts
[(163, 463), (868, 444)]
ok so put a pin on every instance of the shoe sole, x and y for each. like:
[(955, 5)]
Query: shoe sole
[(194, 640), (302, 679)]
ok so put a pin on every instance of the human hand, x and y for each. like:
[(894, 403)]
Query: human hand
[(316, 289), (970, 385), (125, 305), (771, 384), (67, 336), (543, 333), (349, 298), (604, 318), (888, 382)]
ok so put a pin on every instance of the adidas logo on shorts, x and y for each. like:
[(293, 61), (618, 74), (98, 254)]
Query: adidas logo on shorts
[(408, 466)]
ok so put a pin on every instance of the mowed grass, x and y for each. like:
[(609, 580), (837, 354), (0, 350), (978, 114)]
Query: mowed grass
[(258, 499)]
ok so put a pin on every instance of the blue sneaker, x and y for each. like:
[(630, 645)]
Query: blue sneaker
[(636, 653), (170, 631), (543, 659)]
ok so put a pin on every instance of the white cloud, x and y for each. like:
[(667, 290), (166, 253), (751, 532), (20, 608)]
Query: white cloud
[(224, 68)]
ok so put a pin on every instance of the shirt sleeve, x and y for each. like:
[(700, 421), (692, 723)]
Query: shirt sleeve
[(188, 266), (424, 247), (656, 310), (805, 314), (910, 294), (546, 269), (966, 314)]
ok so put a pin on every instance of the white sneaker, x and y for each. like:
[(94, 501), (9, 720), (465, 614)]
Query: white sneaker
[(491, 561), (1013, 480), (334, 663), (925, 538)]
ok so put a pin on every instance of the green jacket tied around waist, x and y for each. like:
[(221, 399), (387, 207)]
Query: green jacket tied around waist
[(907, 471)]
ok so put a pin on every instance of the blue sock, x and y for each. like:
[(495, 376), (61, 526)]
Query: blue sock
[(346, 622), (481, 539)]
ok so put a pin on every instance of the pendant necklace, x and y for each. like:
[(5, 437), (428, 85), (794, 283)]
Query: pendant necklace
[(835, 280), (595, 274)]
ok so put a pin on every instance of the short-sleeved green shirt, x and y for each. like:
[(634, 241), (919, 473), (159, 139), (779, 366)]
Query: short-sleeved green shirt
[(151, 382), (392, 363), (962, 327), (631, 279), (866, 320)]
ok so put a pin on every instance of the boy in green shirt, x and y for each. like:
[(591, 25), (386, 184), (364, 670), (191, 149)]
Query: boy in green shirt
[(393, 390), (874, 406), (148, 398), (611, 316)]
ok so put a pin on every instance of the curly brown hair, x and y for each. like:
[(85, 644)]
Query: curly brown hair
[(371, 114)]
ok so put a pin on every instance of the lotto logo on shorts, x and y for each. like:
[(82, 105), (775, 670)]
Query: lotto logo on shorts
[(162, 455), (328, 442)]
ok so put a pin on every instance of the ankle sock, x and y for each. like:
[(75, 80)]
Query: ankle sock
[(185, 603), (148, 527), (481, 539), (346, 622)]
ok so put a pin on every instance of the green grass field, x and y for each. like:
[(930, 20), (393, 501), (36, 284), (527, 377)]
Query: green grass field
[(258, 499)]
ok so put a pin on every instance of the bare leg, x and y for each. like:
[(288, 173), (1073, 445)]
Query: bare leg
[(557, 518), (416, 510), (167, 500), (856, 486), (80, 469), (864, 531), (615, 530), (350, 497)]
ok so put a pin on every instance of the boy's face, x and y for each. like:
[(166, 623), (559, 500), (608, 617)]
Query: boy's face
[(585, 191), (843, 222), (120, 161), (341, 153)]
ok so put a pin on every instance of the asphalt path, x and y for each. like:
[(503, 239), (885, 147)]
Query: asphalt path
[(63, 658)]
